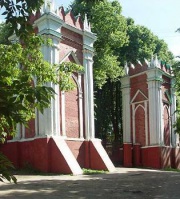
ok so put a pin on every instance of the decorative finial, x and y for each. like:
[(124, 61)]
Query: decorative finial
[(152, 62), (86, 24), (147, 62), (132, 66), (156, 61), (126, 68), (139, 62), (48, 6)]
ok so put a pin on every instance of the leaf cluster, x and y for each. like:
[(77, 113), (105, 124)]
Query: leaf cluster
[(65, 73), (119, 40), (25, 82), (110, 27), (176, 72), (26, 79), (5, 33), (142, 44), (17, 13), (25, 85), (5, 167)]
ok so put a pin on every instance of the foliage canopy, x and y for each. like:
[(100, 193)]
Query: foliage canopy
[(119, 40)]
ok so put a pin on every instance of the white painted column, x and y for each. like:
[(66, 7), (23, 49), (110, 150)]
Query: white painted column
[(146, 122), (88, 41), (46, 119), (125, 86), (18, 132), (37, 123), (49, 121), (23, 132), (133, 124), (80, 107), (49, 24), (155, 106), (56, 100), (175, 137), (63, 116), (89, 95)]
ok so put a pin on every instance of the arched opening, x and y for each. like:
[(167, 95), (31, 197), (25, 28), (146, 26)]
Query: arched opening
[(72, 112), (167, 136), (140, 135)]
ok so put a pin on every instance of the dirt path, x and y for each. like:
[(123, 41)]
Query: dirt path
[(124, 183)]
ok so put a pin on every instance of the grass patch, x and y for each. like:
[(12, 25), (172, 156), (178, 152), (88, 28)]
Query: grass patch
[(93, 172), (171, 169)]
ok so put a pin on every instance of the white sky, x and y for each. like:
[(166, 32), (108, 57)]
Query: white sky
[(162, 17)]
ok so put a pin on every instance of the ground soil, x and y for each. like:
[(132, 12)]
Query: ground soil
[(124, 183)]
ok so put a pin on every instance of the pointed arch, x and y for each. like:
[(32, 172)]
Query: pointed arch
[(72, 113), (140, 131), (141, 94), (167, 130)]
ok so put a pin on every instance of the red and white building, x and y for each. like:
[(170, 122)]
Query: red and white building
[(63, 138), (149, 105)]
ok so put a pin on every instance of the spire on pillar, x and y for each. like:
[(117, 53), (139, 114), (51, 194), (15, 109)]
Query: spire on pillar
[(48, 6), (152, 62), (139, 62), (132, 66), (87, 26), (155, 63), (147, 62), (126, 68)]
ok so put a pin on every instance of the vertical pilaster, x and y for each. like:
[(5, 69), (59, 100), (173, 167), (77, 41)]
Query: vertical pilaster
[(46, 119), (125, 86), (50, 25), (80, 107), (89, 95), (146, 122), (18, 132), (133, 124), (175, 137), (23, 132), (63, 116), (155, 108), (88, 41), (55, 101)]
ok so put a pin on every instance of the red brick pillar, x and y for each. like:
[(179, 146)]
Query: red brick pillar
[(127, 149), (137, 155)]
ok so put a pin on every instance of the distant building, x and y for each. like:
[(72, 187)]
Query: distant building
[(149, 105)]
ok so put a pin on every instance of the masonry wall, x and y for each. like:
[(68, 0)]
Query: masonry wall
[(71, 41), (72, 114)]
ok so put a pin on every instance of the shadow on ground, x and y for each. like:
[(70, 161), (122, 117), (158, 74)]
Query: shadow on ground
[(125, 184)]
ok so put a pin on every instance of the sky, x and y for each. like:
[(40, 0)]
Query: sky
[(162, 17)]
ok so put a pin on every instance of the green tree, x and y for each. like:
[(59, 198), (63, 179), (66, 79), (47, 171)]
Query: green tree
[(24, 74), (110, 26), (23, 84), (143, 44), (176, 73), (17, 13), (5, 33), (118, 40)]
